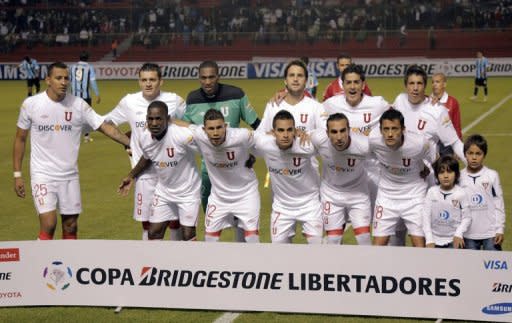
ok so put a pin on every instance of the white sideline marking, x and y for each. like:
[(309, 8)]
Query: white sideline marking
[(118, 309), (487, 113), (227, 317)]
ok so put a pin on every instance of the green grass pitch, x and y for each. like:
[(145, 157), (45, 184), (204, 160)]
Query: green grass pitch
[(103, 163)]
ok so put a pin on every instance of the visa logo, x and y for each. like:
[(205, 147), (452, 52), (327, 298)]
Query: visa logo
[(495, 264)]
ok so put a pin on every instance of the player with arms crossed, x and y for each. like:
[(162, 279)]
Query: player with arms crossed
[(170, 149), (132, 109), (401, 189), (344, 187), (295, 183), (234, 192), (55, 121)]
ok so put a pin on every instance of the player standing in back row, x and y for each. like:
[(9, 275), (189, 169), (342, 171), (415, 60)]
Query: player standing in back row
[(230, 100), (83, 77), (132, 109)]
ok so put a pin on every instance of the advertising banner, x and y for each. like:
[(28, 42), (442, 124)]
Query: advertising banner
[(274, 68), (356, 280)]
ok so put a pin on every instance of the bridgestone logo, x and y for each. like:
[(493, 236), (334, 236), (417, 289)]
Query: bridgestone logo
[(12, 254)]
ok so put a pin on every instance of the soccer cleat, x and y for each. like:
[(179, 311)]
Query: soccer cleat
[(472, 98), (485, 98)]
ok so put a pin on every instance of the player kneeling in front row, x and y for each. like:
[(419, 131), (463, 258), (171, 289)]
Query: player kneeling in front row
[(177, 194), (344, 187), (294, 181), (234, 191)]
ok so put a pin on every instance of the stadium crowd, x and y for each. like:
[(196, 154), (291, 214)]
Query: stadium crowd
[(158, 22)]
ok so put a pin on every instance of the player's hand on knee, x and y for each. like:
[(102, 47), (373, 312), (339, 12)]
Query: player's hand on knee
[(125, 186), (498, 239), (19, 187), (430, 245)]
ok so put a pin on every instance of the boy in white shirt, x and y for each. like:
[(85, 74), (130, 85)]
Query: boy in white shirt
[(487, 207)]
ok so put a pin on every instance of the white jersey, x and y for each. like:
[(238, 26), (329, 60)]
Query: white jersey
[(342, 171), (430, 120), (55, 130), (486, 203), (231, 180), (132, 109), (308, 115), (294, 179), (400, 169), (445, 215), (363, 117), (174, 160)]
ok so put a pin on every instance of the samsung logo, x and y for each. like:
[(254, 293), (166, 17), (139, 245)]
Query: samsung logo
[(499, 308)]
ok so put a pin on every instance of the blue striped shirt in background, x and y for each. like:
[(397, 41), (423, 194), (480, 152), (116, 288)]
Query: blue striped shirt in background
[(31, 68), (82, 77), (481, 67)]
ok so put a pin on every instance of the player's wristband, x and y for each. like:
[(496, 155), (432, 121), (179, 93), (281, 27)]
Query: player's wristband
[(17, 174)]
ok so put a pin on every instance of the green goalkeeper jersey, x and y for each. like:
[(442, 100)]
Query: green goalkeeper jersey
[(230, 100)]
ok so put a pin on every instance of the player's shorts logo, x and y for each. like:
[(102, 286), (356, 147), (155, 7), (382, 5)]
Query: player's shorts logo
[(68, 116), (57, 276), (170, 152)]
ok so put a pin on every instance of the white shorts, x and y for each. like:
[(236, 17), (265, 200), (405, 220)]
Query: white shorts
[(388, 212), (144, 190), (336, 205), (66, 194), (220, 214), (282, 225), (163, 210)]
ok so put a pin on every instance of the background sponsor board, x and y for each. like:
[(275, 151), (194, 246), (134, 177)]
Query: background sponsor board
[(356, 280), (274, 68)]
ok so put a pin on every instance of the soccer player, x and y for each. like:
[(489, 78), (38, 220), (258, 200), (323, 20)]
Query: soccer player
[(295, 184), (170, 149), (312, 81), (83, 77), (55, 120), (132, 109), (228, 99), (440, 96), (445, 213), (307, 112), (481, 69), (401, 189), (421, 116), (344, 187), (235, 193), (362, 110), (336, 86), (487, 207), (31, 69)]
